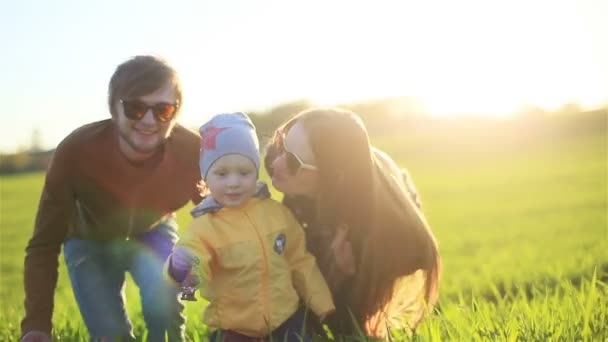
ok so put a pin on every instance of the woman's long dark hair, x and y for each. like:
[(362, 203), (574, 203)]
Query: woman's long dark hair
[(396, 254)]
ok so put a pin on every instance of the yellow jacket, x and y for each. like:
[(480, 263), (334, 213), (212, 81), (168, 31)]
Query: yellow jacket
[(253, 265)]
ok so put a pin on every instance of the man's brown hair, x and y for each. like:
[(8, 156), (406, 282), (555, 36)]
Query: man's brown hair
[(139, 76)]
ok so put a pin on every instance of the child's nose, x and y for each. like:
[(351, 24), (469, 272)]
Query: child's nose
[(233, 181)]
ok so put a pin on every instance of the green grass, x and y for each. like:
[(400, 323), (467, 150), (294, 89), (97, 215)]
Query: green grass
[(520, 213)]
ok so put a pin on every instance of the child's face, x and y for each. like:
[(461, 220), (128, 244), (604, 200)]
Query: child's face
[(232, 180)]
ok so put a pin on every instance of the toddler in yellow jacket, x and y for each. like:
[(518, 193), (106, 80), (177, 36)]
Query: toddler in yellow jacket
[(246, 250)]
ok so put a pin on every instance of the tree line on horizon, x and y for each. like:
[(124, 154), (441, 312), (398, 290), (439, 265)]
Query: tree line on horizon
[(395, 115)]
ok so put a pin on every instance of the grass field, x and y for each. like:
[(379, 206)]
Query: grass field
[(519, 209)]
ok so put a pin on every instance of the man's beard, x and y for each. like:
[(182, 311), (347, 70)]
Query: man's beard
[(138, 147)]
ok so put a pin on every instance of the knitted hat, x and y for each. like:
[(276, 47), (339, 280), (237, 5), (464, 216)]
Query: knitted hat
[(231, 133)]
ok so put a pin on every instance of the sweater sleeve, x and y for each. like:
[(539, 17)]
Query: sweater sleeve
[(201, 252), (307, 278), (55, 211)]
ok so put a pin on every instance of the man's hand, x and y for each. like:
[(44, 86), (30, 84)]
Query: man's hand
[(36, 336)]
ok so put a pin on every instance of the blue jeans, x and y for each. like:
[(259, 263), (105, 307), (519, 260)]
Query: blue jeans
[(97, 271)]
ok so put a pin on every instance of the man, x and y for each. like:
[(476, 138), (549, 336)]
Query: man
[(109, 197)]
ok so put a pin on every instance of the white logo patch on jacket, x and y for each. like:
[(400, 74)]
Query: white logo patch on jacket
[(279, 243)]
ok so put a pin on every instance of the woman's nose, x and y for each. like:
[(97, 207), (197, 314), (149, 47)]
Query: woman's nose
[(276, 163)]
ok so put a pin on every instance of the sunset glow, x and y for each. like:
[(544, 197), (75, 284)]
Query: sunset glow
[(489, 58)]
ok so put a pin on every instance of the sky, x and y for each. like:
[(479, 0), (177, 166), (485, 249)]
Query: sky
[(477, 56)]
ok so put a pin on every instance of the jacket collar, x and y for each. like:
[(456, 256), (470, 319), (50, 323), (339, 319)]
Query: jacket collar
[(209, 204)]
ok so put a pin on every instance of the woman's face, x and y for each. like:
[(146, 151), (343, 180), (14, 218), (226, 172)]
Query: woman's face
[(294, 170)]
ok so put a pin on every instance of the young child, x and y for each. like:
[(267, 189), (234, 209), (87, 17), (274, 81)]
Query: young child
[(246, 249)]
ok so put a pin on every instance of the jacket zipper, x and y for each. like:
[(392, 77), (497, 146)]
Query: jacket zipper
[(266, 271)]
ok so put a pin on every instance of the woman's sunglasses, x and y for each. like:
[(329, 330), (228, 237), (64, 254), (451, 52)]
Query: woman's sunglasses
[(136, 110), (294, 163)]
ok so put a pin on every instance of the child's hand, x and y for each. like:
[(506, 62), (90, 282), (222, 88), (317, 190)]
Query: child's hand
[(189, 287), (323, 316)]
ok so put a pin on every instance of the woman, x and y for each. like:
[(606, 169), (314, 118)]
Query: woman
[(361, 218)]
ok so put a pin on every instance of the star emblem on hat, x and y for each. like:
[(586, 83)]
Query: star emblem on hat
[(209, 137)]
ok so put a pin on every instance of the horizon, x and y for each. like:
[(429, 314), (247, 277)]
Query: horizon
[(464, 119), (487, 59)]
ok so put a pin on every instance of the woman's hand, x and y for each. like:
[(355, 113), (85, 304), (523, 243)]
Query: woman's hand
[(343, 251), (36, 336)]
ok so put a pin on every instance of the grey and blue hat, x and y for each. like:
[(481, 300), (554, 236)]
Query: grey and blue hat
[(224, 134)]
